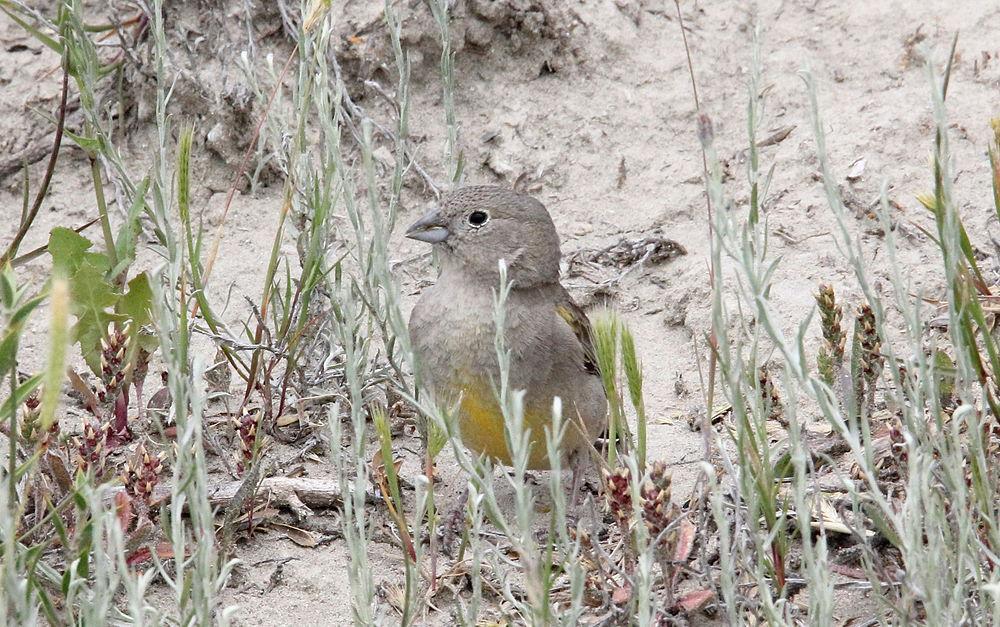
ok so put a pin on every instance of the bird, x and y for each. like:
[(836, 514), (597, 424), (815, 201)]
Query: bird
[(549, 337)]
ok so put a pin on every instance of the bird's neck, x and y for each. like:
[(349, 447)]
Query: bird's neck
[(484, 275), (490, 283)]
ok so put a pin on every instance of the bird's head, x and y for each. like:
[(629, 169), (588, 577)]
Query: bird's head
[(475, 227)]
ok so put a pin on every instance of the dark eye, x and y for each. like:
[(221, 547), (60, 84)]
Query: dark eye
[(478, 218)]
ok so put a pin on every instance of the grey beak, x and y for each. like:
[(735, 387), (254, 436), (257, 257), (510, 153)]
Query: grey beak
[(430, 228)]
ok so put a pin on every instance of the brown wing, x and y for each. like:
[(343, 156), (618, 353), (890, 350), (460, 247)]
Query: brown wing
[(578, 321)]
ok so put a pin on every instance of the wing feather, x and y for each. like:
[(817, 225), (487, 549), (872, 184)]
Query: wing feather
[(577, 319)]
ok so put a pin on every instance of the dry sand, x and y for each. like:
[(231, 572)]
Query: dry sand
[(608, 142)]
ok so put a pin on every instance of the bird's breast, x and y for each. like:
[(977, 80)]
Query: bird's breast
[(452, 334)]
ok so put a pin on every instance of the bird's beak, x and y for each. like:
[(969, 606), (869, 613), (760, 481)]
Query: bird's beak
[(430, 228)]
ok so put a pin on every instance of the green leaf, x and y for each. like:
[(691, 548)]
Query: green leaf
[(129, 231), (83, 561), (21, 315), (67, 579), (47, 606), (137, 302), (28, 464), (11, 335), (945, 370), (20, 394), (8, 349), (88, 144), (136, 305), (67, 248), (784, 468), (92, 296), (8, 287), (882, 524), (35, 32), (78, 500), (99, 261), (57, 523)]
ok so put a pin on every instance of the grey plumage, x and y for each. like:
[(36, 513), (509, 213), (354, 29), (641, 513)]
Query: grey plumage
[(452, 327)]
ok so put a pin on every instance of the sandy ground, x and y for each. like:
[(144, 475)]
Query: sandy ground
[(608, 141)]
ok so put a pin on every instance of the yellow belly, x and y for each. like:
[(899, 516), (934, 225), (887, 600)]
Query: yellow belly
[(482, 427)]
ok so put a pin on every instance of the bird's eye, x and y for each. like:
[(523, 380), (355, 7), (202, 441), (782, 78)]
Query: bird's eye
[(478, 218)]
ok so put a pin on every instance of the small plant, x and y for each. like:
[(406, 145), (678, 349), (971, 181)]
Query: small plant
[(770, 397), (619, 496), (249, 440), (109, 332), (668, 538), (614, 348), (142, 475), (831, 354), (866, 359)]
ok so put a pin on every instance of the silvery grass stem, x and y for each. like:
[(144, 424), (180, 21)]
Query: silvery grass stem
[(20, 596), (410, 543), (402, 102), (761, 544), (561, 540), (757, 489), (347, 327), (452, 155), (904, 527), (19, 603), (518, 443), (933, 524), (473, 541), (323, 180), (200, 572), (728, 574)]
